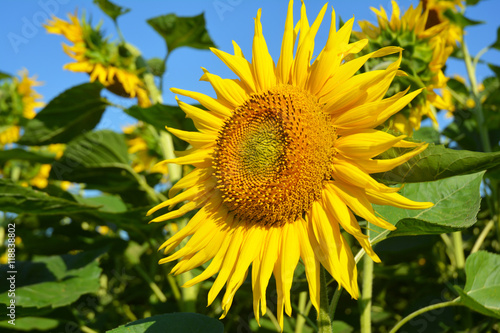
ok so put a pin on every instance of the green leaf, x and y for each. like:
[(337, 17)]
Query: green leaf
[(24, 155), (107, 203), (182, 31), (456, 204), (176, 323), (75, 111), (427, 134), (4, 75), (459, 19), (161, 116), (30, 324), (20, 199), (110, 9), (471, 2), (482, 288), (54, 281), (437, 162), (496, 44), (99, 159), (341, 327)]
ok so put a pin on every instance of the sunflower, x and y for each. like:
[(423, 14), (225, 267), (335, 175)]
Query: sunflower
[(282, 161), (112, 65), (18, 99), (425, 54), (437, 10)]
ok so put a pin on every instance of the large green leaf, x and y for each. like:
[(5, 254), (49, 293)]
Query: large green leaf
[(99, 159), (110, 9), (437, 162), (75, 111), (54, 281), (482, 288), (20, 199), (182, 31), (456, 203), (24, 155), (175, 322)]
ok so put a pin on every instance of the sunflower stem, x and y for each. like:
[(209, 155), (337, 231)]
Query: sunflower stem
[(334, 302), (366, 292), (324, 321), (482, 236), (300, 321), (423, 310), (458, 248), (154, 287)]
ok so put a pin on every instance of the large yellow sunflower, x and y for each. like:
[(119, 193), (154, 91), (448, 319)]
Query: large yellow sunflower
[(425, 53), (100, 59), (282, 162)]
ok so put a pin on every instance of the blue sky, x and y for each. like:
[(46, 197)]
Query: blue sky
[(25, 44)]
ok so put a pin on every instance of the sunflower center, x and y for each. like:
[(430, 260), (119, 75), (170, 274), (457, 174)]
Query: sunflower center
[(273, 154)]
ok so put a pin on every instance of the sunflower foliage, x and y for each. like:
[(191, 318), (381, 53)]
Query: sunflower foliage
[(422, 203)]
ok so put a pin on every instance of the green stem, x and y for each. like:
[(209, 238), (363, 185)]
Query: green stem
[(300, 321), (324, 321), (478, 109), (305, 314), (458, 249), (423, 310), (87, 329), (189, 295), (153, 196), (334, 302), (118, 30), (167, 147), (482, 236), (273, 319), (366, 295), (154, 287), (175, 289), (366, 292)]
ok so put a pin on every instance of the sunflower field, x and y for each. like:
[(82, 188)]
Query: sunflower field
[(345, 184)]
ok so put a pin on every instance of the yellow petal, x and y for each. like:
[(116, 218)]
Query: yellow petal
[(351, 174), (356, 199), (203, 120), (239, 65), (396, 200), (210, 103), (196, 139), (201, 158), (311, 263), (194, 177), (383, 165), (366, 143), (229, 92), (286, 57), (262, 63)]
